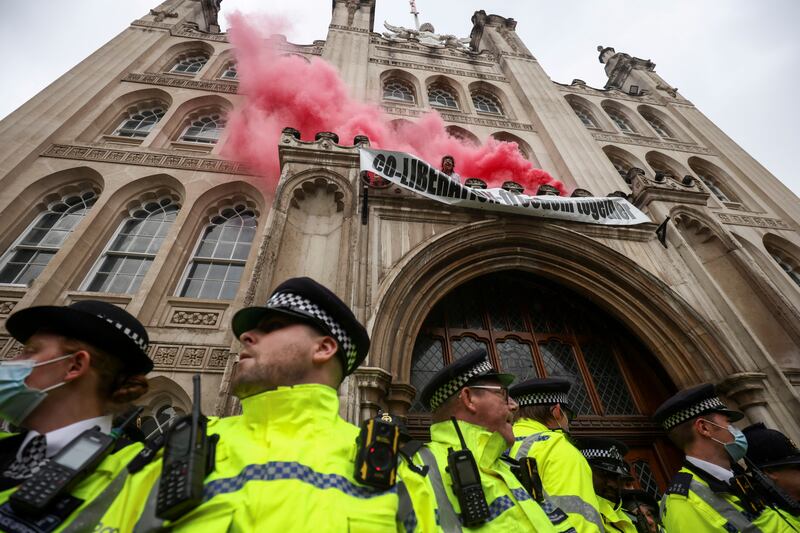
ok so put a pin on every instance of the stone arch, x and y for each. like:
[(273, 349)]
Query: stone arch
[(715, 178), (688, 347), (216, 67), (523, 147), (162, 392), (463, 135), (497, 92), (663, 163), (453, 85), (406, 77), (676, 131), (637, 123), (111, 116), (171, 55), (188, 111), (579, 103), (627, 160)]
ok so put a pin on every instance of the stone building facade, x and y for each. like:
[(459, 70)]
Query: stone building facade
[(114, 187)]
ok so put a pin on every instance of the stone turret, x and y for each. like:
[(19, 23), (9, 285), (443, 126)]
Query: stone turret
[(632, 74), (496, 33), (355, 14)]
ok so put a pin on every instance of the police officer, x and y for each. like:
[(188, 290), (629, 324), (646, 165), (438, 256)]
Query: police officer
[(606, 459), (642, 508), (287, 462), (704, 496), (471, 398), (541, 433), (79, 364), (779, 458)]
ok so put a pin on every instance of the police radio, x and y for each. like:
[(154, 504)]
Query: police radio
[(467, 483), (188, 459), (378, 444), (66, 469), (528, 475)]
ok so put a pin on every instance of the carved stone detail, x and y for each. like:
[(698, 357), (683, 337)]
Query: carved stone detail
[(190, 318), (66, 151), (752, 220), (436, 68), (154, 78), (190, 30), (149, 24), (6, 306), (667, 189), (307, 187), (461, 118), (347, 28), (616, 94), (642, 141), (192, 356), (4, 343), (219, 358), (373, 386), (165, 355)]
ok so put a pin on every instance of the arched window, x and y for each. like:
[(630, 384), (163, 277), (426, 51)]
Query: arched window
[(26, 259), (128, 256), (586, 117), (711, 182), (620, 120), (219, 258), (206, 129), (160, 420), (787, 263), (230, 71), (440, 96), (621, 166), (486, 103), (189, 64), (398, 90), (659, 126), (138, 123)]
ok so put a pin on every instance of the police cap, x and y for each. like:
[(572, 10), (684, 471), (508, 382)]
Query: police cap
[(455, 376), (605, 454), (307, 301), (691, 403), (541, 391), (769, 448)]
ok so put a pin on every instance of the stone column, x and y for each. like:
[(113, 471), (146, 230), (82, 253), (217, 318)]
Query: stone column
[(373, 386), (747, 390), (401, 396)]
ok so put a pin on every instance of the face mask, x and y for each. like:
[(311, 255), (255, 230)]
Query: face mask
[(17, 400), (736, 449)]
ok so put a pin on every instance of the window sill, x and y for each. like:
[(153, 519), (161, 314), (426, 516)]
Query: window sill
[(121, 300), (125, 141), (199, 148), (182, 74), (733, 205), (194, 313), (493, 115)]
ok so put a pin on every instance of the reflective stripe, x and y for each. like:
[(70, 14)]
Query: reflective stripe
[(499, 506), (149, 521), (447, 515), (280, 470), (526, 445), (92, 513), (735, 517), (576, 505), (521, 494), (405, 509)]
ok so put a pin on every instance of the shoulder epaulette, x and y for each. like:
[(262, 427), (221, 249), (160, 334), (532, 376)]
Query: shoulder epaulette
[(680, 484)]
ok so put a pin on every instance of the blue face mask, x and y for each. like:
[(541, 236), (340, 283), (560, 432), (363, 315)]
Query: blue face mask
[(736, 449), (17, 400)]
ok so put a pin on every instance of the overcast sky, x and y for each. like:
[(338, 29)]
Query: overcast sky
[(738, 61)]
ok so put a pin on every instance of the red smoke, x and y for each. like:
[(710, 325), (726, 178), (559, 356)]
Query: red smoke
[(285, 90)]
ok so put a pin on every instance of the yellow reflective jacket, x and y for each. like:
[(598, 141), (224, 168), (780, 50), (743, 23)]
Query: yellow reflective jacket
[(566, 475), (286, 464), (699, 503), (112, 468), (614, 518), (511, 507)]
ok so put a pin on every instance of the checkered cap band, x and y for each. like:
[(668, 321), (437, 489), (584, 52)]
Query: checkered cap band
[(132, 335), (703, 406), (541, 398), (451, 387), (601, 453), (299, 304)]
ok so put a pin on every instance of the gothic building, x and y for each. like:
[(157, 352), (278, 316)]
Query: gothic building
[(113, 187)]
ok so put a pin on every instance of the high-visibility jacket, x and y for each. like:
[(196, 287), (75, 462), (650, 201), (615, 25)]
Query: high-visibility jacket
[(436, 506), (97, 492), (566, 475), (697, 502), (286, 464), (614, 518)]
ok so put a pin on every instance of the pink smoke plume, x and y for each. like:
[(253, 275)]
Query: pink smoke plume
[(283, 90)]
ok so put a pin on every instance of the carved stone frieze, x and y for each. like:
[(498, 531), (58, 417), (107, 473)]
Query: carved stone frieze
[(6, 306), (4, 344), (165, 80), (177, 356), (127, 157), (642, 141), (347, 28), (461, 118), (752, 220), (616, 94), (191, 318), (457, 53), (436, 68), (191, 31), (150, 24)]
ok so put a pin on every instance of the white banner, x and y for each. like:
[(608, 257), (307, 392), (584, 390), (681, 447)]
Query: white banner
[(418, 176)]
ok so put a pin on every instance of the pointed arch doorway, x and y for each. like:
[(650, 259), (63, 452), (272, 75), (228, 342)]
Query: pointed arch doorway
[(533, 327)]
